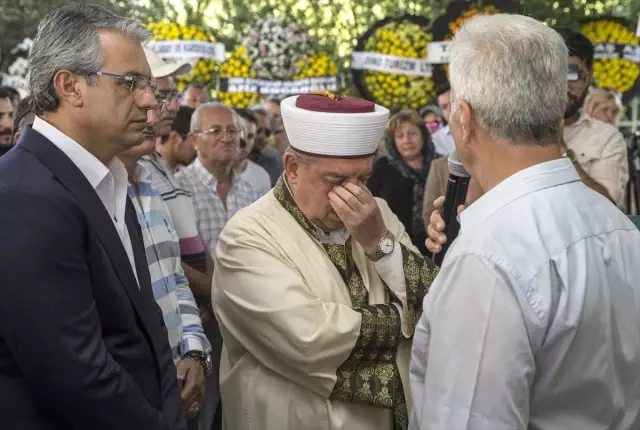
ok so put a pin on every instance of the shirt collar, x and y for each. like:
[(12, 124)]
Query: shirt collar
[(207, 178), (584, 118), (446, 130), (89, 165), (527, 181), (141, 173)]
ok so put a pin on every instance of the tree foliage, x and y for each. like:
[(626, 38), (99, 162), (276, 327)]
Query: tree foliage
[(335, 24), (19, 18)]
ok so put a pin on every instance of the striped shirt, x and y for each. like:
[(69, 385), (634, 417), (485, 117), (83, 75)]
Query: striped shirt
[(170, 286), (180, 207), (211, 213)]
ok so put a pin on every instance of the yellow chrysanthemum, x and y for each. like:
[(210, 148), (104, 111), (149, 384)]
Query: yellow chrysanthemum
[(318, 65), (205, 68), (618, 74), (238, 65), (402, 39)]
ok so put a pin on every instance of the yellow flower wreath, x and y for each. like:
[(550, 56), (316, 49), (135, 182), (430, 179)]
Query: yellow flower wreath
[(205, 68), (617, 74), (402, 39)]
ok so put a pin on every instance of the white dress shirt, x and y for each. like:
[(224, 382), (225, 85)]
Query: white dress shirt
[(443, 141), (534, 319), (258, 177), (110, 182)]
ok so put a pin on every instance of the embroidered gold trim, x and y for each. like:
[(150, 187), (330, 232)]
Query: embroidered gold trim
[(419, 273)]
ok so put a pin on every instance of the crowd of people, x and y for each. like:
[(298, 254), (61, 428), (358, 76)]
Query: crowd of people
[(170, 262)]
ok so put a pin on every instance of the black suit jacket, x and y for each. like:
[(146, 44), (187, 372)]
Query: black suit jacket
[(82, 344)]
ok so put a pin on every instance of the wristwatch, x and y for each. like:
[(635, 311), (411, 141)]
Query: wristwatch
[(386, 245), (203, 358)]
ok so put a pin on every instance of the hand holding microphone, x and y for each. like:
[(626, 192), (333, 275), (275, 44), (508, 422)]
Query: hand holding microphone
[(435, 230), (456, 195)]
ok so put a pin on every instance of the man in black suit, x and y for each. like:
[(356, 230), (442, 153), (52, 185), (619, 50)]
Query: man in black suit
[(82, 342)]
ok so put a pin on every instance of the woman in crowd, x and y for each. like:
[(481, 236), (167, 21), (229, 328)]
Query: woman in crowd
[(399, 177), (433, 118)]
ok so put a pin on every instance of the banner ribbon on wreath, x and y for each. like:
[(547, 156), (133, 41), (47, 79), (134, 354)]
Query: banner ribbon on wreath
[(616, 51), (267, 87), (190, 49), (390, 64)]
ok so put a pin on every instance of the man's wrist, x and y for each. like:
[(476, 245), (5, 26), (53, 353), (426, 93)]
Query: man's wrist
[(202, 358), (384, 247)]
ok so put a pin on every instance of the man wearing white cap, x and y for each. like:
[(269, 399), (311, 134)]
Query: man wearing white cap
[(317, 287), (195, 260)]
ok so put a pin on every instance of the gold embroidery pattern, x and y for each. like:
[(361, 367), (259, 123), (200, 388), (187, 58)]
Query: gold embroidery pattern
[(419, 273), (370, 376)]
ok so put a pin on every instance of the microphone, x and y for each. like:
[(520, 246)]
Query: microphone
[(456, 195)]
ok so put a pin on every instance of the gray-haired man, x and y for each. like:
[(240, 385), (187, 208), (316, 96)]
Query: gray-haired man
[(83, 344)]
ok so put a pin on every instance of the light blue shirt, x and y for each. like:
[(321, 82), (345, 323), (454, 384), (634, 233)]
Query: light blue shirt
[(534, 319)]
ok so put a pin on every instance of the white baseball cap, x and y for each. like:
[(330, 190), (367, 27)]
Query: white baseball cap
[(161, 68)]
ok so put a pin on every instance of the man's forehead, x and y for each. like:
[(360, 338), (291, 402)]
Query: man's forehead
[(216, 116), (6, 106), (122, 54)]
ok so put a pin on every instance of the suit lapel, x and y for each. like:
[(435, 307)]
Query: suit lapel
[(98, 218)]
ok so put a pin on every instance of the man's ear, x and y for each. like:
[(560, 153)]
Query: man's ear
[(70, 88), (467, 120), (292, 167)]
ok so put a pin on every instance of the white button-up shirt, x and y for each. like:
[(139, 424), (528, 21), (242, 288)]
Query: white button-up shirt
[(443, 141), (110, 182), (534, 319)]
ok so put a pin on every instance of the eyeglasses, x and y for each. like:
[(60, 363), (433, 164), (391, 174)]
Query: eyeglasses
[(218, 132), (167, 96), (139, 84), (432, 124)]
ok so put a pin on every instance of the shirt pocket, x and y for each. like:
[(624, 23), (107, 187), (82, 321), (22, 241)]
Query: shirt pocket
[(587, 156)]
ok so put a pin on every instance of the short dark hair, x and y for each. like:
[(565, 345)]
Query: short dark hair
[(247, 115), (182, 122), (578, 45), (23, 115), (15, 95), (5, 93), (443, 88)]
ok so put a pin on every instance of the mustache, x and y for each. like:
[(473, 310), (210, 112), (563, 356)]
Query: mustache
[(6, 132)]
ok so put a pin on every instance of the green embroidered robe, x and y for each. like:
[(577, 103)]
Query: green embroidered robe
[(312, 340)]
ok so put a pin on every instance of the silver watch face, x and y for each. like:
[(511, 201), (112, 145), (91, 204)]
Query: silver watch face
[(386, 245)]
